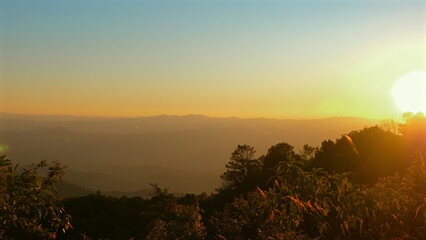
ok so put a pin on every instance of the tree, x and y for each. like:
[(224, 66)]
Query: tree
[(390, 125), (414, 132), (29, 205), (242, 168), (382, 152), (276, 154), (308, 152)]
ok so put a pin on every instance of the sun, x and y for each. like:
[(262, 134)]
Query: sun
[(409, 92)]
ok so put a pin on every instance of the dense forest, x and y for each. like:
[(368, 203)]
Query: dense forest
[(367, 184)]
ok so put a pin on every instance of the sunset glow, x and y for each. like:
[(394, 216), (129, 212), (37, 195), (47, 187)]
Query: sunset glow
[(280, 59), (212, 119)]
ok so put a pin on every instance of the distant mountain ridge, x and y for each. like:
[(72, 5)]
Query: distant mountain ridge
[(161, 123), (185, 153), (69, 190)]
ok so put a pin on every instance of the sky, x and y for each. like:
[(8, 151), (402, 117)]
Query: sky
[(240, 58)]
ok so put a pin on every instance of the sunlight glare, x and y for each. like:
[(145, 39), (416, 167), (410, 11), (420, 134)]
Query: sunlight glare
[(409, 92)]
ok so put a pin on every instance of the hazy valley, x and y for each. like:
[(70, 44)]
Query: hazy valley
[(185, 153)]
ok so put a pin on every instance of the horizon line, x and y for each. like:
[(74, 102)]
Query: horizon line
[(187, 115)]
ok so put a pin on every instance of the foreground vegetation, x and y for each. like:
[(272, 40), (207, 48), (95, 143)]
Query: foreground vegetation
[(368, 184)]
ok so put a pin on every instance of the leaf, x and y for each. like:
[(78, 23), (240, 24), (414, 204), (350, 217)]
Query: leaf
[(271, 217), (418, 209), (222, 237), (277, 184), (261, 192), (351, 142), (279, 211)]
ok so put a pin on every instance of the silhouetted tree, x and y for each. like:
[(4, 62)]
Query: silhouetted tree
[(382, 152), (308, 153), (390, 125), (242, 169), (276, 154)]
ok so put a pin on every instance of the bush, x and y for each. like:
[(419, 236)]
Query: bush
[(29, 205)]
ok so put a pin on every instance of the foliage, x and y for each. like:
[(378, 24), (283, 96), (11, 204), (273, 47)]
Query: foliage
[(180, 222), (368, 184), (380, 153), (102, 217), (252, 218), (314, 204), (400, 204), (242, 169), (279, 213), (280, 152), (307, 153), (29, 206)]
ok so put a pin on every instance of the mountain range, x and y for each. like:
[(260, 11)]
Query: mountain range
[(184, 153)]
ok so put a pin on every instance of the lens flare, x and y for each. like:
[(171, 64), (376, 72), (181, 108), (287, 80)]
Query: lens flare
[(3, 148)]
